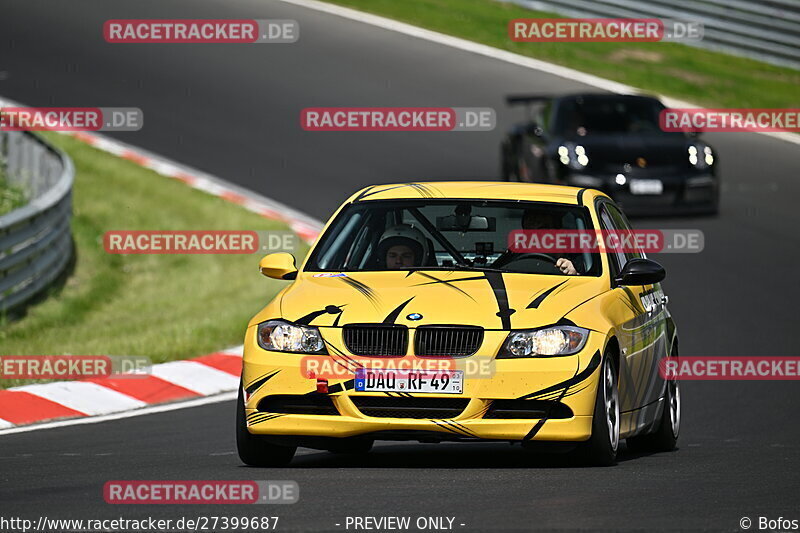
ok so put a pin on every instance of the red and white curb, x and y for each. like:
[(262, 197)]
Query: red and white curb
[(167, 382), (189, 381)]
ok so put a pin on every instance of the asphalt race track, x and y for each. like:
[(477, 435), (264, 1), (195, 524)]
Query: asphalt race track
[(233, 110)]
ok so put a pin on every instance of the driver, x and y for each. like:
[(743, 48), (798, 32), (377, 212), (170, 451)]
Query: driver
[(402, 246), (535, 219)]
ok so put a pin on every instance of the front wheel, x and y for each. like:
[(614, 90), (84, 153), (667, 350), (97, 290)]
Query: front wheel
[(255, 450), (601, 448)]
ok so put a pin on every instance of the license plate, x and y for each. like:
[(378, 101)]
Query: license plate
[(647, 187), (421, 381)]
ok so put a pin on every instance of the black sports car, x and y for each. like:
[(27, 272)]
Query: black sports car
[(613, 143)]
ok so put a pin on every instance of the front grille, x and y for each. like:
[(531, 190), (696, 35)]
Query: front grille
[(447, 341), (381, 407), (506, 409), (292, 404), (376, 340)]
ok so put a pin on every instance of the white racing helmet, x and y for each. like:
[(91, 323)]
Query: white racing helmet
[(404, 234)]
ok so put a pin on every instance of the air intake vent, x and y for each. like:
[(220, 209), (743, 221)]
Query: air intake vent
[(528, 409), (381, 407), (447, 341), (376, 340), (307, 404)]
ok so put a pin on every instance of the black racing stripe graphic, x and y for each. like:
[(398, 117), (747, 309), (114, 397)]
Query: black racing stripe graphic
[(368, 293), (462, 431), (498, 286), (262, 418), (255, 385), (255, 418), (447, 428), (535, 429), (588, 371), (306, 320), (576, 390), (424, 190), (449, 283), (364, 193), (564, 321), (372, 191), (329, 309), (580, 197), (463, 427), (539, 299), (391, 317), (336, 321)]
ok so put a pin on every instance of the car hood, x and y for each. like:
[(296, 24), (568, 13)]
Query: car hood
[(487, 299), (615, 150)]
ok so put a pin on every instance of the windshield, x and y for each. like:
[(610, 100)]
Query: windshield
[(447, 235), (608, 115)]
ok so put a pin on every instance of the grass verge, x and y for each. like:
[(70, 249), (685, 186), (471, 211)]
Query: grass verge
[(11, 196), (162, 306), (700, 76)]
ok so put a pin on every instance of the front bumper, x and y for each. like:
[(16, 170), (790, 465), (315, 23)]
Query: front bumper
[(682, 193), (565, 385)]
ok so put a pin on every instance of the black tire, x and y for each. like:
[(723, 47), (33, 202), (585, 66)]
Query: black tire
[(352, 446), (665, 437), (601, 448), (255, 450)]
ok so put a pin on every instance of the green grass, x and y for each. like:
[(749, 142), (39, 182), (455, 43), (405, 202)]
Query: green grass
[(699, 76), (11, 196), (162, 306)]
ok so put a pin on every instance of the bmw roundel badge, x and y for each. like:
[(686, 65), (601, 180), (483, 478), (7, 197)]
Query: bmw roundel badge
[(414, 316)]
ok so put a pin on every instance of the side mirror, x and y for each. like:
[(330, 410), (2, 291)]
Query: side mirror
[(278, 266), (641, 272)]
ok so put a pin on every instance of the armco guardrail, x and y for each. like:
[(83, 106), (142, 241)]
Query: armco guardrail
[(35, 240), (767, 30)]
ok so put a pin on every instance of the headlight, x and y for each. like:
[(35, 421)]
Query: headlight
[(546, 342), (573, 156), (700, 158), (281, 336)]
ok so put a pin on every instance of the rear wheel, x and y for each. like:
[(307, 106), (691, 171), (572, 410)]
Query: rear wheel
[(255, 450), (666, 436), (601, 448)]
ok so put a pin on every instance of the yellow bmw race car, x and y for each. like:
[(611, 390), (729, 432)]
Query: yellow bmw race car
[(418, 316)]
